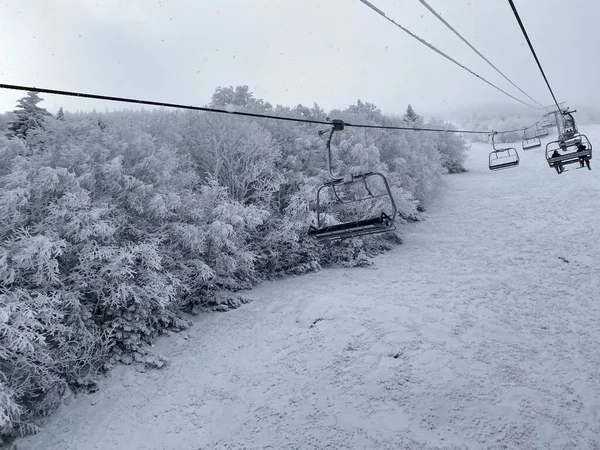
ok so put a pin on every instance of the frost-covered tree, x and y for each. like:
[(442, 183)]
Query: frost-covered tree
[(411, 117), (60, 115), (101, 123), (5, 119), (367, 111), (113, 229), (240, 154), (240, 97), (452, 147), (497, 120), (28, 116)]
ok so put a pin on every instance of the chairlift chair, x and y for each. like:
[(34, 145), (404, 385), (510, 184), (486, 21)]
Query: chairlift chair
[(547, 123), (569, 128), (541, 132), (567, 134), (570, 150), (531, 142), (503, 158), (380, 223)]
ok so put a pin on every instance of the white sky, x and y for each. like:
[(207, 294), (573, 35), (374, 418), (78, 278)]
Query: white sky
[(296, 51)]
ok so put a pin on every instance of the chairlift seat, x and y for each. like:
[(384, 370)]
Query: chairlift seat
[(569, 158), (504, 165), (541, 132), (531, 143), (503, 158), (373, 225)]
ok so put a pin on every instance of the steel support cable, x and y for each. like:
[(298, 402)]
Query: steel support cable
[(516, 13), (439, 17), (439, 52), (238, 113)]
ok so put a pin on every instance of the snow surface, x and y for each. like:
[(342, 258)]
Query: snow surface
[(477, 333)]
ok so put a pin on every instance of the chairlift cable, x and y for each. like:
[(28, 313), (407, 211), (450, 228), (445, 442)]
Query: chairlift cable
[(439, 17), (518, 17), (439, 52), (238, 113)]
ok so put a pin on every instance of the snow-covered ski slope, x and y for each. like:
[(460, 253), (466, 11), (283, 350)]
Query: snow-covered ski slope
[(481, 332)]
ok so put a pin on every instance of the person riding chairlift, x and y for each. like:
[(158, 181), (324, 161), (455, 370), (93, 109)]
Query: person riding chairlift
[(559, 167), (583, 160)]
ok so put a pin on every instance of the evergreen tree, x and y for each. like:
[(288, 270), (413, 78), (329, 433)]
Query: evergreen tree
[(411, 116), (27, 117), (4, 121), (101, 123), (60, 115)]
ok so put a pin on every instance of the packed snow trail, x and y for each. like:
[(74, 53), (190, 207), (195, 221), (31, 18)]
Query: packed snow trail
[(477, 333)]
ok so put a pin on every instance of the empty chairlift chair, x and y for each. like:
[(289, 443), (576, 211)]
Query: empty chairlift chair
[(503, 158), (574, 150), (372, 185), (541, 132), (547, 122), (530, 142)]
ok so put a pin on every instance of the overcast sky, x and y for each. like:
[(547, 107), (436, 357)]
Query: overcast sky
[(332, 52)]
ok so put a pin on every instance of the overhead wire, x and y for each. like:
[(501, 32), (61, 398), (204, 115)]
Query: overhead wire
[(153, 103), (518, 17), (439, 52), (439, 17), (238, 113)]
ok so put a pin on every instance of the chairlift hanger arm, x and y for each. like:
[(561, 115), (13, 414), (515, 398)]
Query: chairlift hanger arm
[(338, 125), (493, 142)]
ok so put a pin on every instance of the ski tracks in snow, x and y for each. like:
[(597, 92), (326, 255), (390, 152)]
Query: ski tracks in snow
[(481, 332)]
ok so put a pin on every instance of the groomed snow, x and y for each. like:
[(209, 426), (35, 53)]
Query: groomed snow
[(477, 333)]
